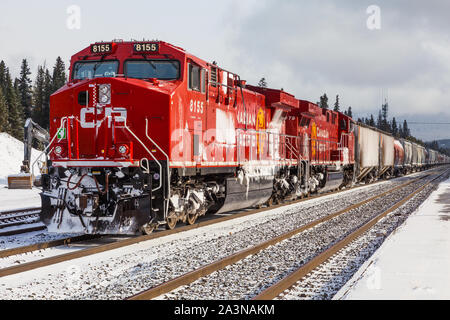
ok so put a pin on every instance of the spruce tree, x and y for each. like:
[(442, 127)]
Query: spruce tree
[(24, 87), (394, 127), (379, 120), (59, 74), (336, 103), (3, 70), (349, 112), (48, 90), (406, 131), (15, 114), (38, 96), (323, 101), (4, 125), (372, 121)]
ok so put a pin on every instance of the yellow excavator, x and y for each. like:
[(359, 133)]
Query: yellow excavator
[(25, 179)]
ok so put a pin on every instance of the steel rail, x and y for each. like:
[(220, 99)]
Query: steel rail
[(290, 280), (19, 214), (127, 242), (44, 245), (9, 212), (22, 230), (222, 263)]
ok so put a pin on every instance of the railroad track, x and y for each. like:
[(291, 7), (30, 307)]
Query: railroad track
[(121, 243), (193, 278), (127, 242), (296, 276), (18, 218)]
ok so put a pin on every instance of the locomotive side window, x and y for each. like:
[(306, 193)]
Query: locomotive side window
[(194, 77), (343, 124), (94, 69), (159, 69)]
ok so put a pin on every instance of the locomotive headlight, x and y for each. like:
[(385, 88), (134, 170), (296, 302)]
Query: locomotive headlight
[(58, 150), (104, 93)]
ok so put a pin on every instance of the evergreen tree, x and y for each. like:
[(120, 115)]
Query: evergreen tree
[(59, 74), (15, 114), (38, 96), (323, 101), (379, 120), (336, 104), (4, 125), (349, 112), (384, 117), (394, 127), (24, 87), (3, 70), (372, 121), (48, 90), (262, 83), (406, 131)]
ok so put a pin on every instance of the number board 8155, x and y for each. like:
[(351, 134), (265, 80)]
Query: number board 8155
[(146, 47), (101, 48)]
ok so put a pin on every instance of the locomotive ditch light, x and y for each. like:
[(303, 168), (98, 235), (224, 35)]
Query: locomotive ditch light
[(123, 149), (104, 93), (58, 150)]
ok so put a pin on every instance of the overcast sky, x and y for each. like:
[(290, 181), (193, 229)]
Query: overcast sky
[(305, 47)]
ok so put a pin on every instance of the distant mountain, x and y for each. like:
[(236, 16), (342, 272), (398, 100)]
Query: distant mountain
[(444, 143)]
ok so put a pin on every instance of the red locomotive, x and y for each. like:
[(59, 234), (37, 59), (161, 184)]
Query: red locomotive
[(146, 134)]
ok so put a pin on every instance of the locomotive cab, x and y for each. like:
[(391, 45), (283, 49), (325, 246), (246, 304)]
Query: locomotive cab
[(110, 139)]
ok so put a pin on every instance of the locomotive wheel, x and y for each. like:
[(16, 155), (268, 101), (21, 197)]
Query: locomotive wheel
[(171, 222), (148, 228), (191, 218)]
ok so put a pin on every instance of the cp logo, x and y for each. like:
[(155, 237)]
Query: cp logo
[(119, 114)]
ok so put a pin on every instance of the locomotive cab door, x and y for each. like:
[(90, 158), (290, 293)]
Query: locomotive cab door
[(196, 109)]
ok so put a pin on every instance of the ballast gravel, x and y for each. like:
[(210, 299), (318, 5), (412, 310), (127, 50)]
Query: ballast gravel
[(163, 259)]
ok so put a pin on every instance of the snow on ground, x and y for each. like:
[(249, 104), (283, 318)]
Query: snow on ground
[(414, 261), (11, 157)]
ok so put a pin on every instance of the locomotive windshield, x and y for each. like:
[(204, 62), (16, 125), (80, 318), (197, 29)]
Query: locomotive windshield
[(160, 69), (95, 69)]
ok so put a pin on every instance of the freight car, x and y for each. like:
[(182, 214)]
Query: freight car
[(145, 134)]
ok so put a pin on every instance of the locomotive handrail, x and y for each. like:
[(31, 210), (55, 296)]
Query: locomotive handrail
[(146, 149), (284, 140), (168, 167)]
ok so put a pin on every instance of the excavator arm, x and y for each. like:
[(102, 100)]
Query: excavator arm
[(32, 131)]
